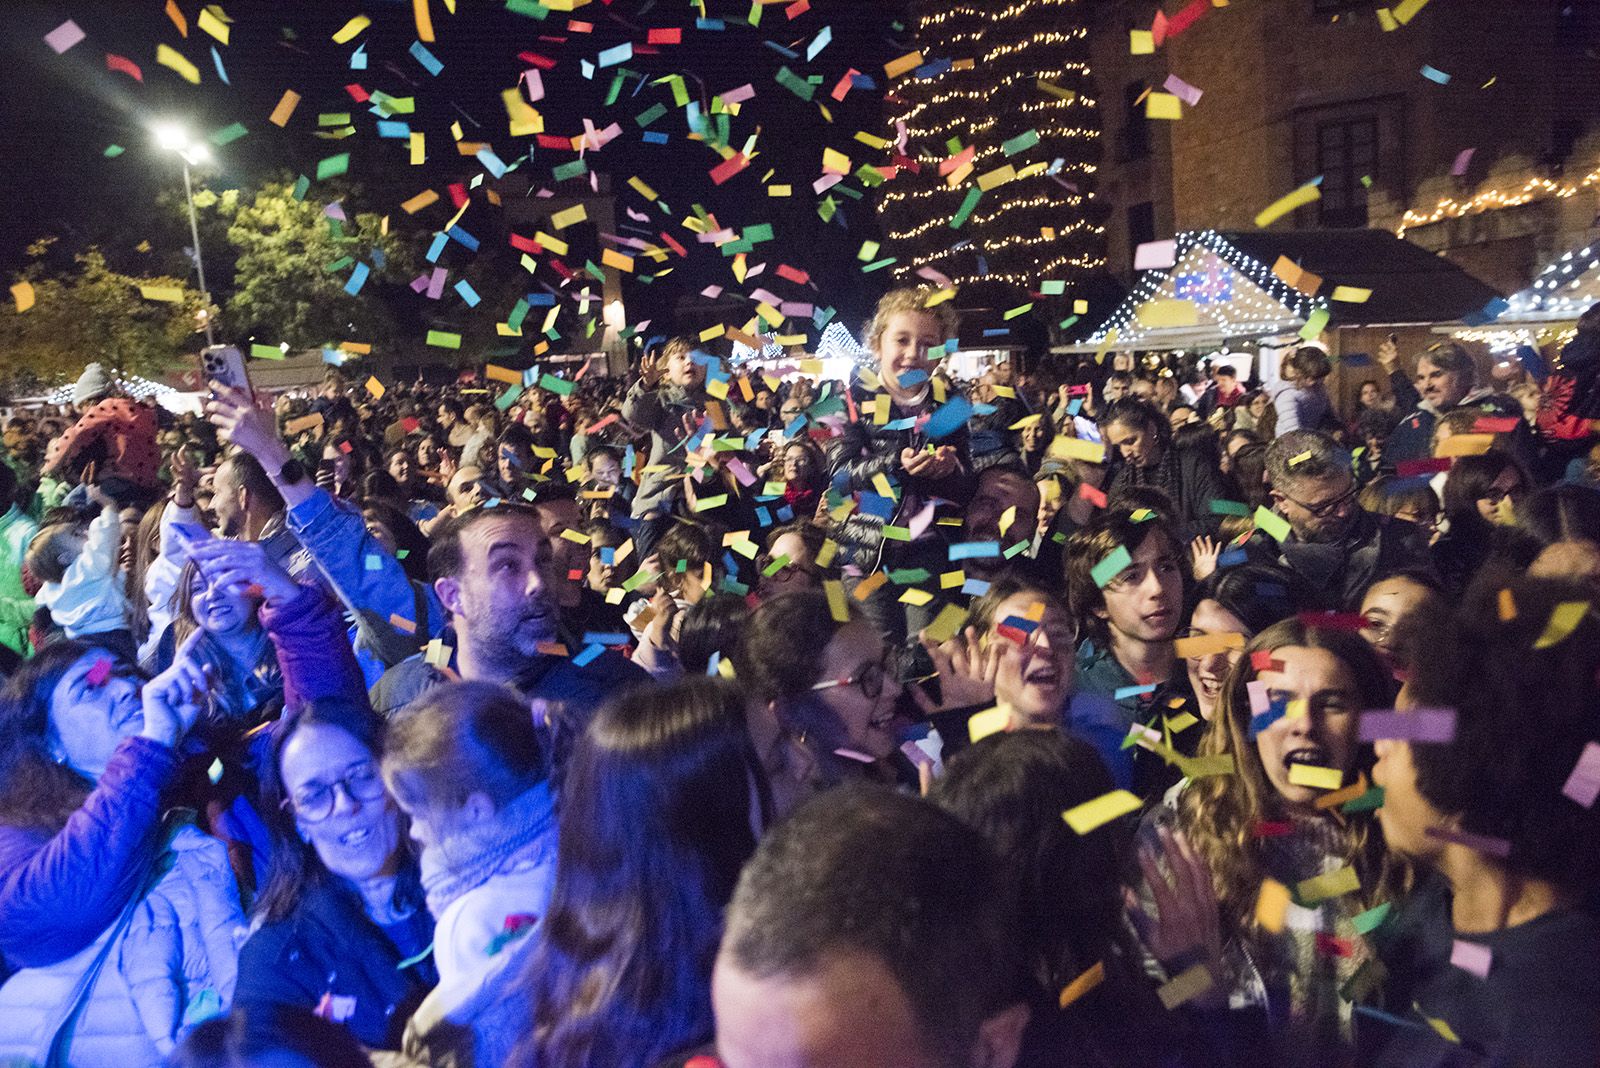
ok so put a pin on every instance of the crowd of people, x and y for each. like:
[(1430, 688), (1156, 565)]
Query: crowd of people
[(712, 715)]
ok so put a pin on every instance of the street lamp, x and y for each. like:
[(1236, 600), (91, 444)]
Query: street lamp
[(174, 138)]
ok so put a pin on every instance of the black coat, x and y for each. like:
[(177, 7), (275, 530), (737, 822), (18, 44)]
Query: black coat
[(330, 945)]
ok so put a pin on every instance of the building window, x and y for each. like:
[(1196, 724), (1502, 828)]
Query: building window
[(1141, 225), (1347, 152), (1133, 141)]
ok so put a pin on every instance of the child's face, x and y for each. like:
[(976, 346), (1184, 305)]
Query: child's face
[(72, 546)]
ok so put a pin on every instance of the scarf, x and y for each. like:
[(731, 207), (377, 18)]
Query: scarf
[(523, 831)]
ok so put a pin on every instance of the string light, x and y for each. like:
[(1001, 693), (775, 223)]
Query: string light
[(1495, 199), (1281, 308)]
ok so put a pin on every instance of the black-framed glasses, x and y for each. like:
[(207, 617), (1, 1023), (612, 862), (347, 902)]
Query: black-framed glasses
[(360, 783), (1328, 507), (869, 679), (1495, 496)]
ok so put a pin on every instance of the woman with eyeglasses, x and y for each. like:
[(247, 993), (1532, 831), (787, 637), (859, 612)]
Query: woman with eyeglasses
[(340, 926), (116, 923), (1480, 497), (824, 696)]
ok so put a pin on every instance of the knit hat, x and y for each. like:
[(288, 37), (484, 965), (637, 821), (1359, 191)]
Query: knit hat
[(93, 384)]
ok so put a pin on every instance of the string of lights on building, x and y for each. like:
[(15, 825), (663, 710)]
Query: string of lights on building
[(1493, 199), (1277, 307), (988, 101)]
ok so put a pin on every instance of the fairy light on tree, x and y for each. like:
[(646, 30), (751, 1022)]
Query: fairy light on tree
[(1002, 110)]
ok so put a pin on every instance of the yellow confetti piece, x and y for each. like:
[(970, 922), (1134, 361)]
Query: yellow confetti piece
[(438, 653), (1187, 986), (1272, 905), (1331, 884), (1153, 314), (1141, 42), (1464, 445), (22, 293), (376, 388), (1102, 810), (1443, 1029), (174, 60), (1207, 644), (420, 201), (990, 721), (167, 294), (348, 31), (1306, 194), (837, 607), (1351, 294), (997, 177), (418, 143), (825, 555), (1163, 106), (612, 258), (909, 61), (424, 20), (1563, 621), (642, 189), (286, 105), (213, 25), (552, 244), (1083, 984), (952, 579), (1064, 448), (1508, 606), (563, 219), (946, 623), (835, 162), (916, 598), (1315, 777)]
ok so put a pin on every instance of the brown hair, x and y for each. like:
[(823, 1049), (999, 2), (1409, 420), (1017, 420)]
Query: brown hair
[(1219, 813), (898, 302), (461, 738), (1105, 533)]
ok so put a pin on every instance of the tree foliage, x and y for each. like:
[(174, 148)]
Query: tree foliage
[(292, 263), (93, 313)]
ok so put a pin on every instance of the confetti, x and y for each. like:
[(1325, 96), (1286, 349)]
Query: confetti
[(1328, 885), (1302, 196), (1084, 983), (1473, 957), (1416, 725), (990, 721), (1116, 562), (1100, 811), (22, 294), (64, 36), (1315, 777), (1583, 785), (1563, 621), (1187, 986)]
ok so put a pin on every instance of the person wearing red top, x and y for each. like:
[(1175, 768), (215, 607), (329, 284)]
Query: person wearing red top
[(117, 434)]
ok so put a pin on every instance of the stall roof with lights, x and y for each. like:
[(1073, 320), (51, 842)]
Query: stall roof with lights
[(1546, 312), (1221, 288)]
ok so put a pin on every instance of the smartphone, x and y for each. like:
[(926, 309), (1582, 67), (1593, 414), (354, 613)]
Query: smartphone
[(225, 364)]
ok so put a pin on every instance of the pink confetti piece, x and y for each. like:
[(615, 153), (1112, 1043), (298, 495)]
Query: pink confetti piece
[(1583, 785), (64, 36), (1463, 161), (99, 673), (1154, 255), (1417, 725), (1471, 957), (1182, 90), (1482, 843)]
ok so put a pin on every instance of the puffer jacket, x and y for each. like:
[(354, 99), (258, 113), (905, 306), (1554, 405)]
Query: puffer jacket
[(174, 965)]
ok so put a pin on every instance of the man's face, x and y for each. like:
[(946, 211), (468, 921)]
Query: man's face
[(996, 495), (846, 1012), (1136, 442), (502, 599), (605, 470), (447, 418), (1319, 509), (225, 502), (1443, 389)]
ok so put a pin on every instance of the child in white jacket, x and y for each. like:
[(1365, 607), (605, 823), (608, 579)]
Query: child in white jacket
[(83, 587)]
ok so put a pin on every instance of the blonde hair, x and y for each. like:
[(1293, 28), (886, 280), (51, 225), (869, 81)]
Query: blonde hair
[(901, 301)]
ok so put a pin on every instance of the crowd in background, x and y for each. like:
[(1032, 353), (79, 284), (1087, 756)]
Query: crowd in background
[(1116, 712)]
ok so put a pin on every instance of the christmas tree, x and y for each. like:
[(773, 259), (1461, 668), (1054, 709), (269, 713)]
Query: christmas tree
[(999, 130)]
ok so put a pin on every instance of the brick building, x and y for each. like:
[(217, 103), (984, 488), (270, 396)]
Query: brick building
[(1294, 89)]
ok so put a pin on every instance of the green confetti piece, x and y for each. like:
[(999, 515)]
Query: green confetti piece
[(576, 169), (339, 264), (1314, 324), (411, 962), (508, 398), (530, 8), (1019, 547), (1115, 563), (758, 233), (1271, 524), (705, 504), (1371, 920), (1067, 322), (828, 209), (1221, 507), (333, 166), (556, 385), (909, 576), (878, 265), (113, 151), (229, 134), (1051, 287), (776, 566), (441, 339), (214, 772), (796, 84), (334, 118), (650, 114), (518, 314), (266, 352), (894, 533), (960, 217), (1020, 143), (1021, 309), (302, 185), (1367, 802)]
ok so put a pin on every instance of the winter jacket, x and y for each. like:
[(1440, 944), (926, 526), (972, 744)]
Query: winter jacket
[(329, 946), (315, 662), (660, 412), (161, 577), (1338, 573), (1188, 478), (172, 966), (90, 598), (16, 606), (1412, 437), (118, 435)]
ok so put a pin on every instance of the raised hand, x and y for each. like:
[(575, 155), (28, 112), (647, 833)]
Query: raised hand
[(1186, 928), (241, 565), (174, 699), (966, 666), (1203, 554), (253, 429)]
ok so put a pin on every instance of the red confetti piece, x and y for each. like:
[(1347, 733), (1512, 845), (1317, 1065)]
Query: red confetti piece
[(670, 35), (1092, 495), (728, 168), (1334, 620), (1331, 946), (125, 65), (1490, 424), (1262, 660), (1272, 829), (358, 94), (537, 60), (525, 244), (99, 673)]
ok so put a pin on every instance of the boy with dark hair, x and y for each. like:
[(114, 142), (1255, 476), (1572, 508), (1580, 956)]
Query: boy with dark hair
[(871, 928)]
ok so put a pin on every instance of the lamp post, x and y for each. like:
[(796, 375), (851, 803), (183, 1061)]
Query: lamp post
[(174, 138)]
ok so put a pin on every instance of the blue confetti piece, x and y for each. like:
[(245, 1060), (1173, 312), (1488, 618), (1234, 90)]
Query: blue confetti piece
[(908, 423), (823, 38), (949, 418), (605, 638), (786, 53), (1433, 74), (540, 300), (608, 555), (974, 550), (216, 57), (467, 293), (709, 24), (1261, 722), (465, 238), (613, 56), (358, 278), (439, 242), (588, 656), (394, 129), (796, 426), (913, 378), (379, 260), (1231, 558), (492, 163), (932, 70), (754, 439), (880, 507), (1133, 691), (358, 58), (862, 81), (655, 137), (974, 587), (429, 61)]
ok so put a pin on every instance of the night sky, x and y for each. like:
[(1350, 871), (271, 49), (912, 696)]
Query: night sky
[(61, 111)]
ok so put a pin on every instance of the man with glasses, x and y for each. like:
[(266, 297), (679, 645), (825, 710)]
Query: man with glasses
[(1333, 543)]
